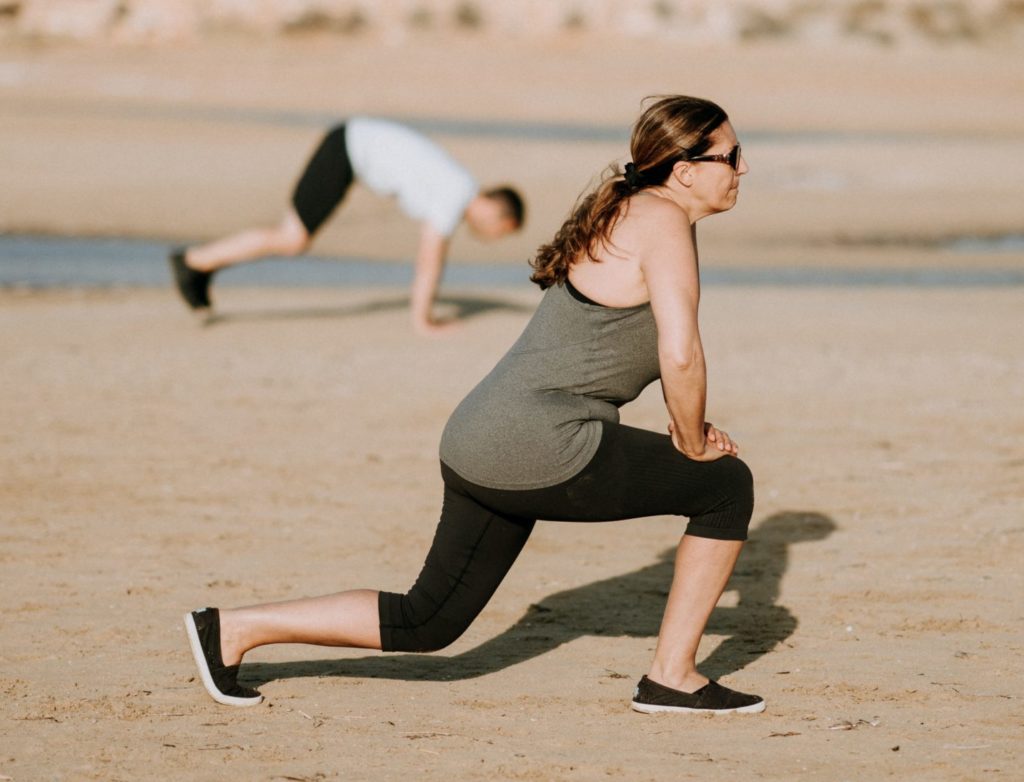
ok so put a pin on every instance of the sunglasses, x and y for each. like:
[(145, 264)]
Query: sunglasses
[(732, 157)]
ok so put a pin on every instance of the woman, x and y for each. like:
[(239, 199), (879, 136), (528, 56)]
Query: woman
[(539, 437)]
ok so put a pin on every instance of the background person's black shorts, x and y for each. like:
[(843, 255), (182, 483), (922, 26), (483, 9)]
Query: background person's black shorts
[(325, 181)]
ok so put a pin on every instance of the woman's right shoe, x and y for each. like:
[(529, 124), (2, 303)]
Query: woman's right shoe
[(221, 681), (651, 697)]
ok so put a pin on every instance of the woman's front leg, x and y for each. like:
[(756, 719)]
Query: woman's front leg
[(702, 569)]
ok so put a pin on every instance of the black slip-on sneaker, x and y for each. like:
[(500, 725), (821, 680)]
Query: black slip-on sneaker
[(651, 697), (221, 681), (193, 285)]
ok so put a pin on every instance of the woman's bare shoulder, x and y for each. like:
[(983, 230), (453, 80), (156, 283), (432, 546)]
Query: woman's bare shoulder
[(653, 206), (651, 219), (647, 211)]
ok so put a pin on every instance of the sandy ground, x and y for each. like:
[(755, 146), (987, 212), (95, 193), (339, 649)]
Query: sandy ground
[(149, 465)]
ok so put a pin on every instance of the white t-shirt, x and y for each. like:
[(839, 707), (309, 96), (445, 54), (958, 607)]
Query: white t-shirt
[(393, 160)]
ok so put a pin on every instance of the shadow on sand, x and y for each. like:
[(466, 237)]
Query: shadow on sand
[(457, 307), (627, 605)]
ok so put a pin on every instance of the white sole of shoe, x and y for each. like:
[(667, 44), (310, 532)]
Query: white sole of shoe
[(204, 669), (647, 708)]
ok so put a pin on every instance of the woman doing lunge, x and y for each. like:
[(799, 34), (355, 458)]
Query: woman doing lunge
[(540, 438)]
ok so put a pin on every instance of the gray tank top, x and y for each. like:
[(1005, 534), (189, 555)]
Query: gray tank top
[(534, 420)]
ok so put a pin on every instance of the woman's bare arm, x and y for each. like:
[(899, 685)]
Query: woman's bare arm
[(668, 260)]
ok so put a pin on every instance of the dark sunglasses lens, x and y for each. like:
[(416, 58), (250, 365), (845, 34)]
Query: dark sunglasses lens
[(734, 157)]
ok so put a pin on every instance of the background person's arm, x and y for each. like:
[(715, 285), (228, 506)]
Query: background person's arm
[(429, 265)]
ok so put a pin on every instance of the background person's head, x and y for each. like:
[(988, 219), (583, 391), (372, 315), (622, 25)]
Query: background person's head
[(670, 131), (495, 213)]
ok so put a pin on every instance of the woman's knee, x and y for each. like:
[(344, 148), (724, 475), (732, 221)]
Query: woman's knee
[(472, 550), (436, 635), (738, 488), (404, 628), (729, 518), (741, 483)]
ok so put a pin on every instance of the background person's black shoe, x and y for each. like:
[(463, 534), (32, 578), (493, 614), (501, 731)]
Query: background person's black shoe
[(193, 285), (651, 697), (221, 681)]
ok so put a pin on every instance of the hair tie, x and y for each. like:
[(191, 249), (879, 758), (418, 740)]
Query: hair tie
[(633, 177)]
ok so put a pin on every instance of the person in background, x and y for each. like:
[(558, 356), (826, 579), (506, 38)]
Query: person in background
[(391, 160)]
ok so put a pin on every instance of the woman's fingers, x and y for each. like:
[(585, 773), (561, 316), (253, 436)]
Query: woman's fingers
[(720, 439), (716, 437)]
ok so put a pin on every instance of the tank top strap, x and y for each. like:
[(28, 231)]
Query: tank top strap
[(579, 296)]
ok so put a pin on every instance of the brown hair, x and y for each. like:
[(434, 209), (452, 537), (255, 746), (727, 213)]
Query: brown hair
[(673, 128)]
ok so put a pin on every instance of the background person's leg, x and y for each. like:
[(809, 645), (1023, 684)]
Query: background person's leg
[(320, 188), (287, 238), (193, 268)]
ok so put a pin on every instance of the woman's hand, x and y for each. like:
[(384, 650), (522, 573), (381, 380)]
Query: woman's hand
[(720, 440), (718, 444)]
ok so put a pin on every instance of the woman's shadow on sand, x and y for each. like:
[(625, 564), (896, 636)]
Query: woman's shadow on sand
[(627, 605)]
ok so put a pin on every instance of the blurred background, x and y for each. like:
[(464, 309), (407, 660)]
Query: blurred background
[(882, 135), (147, 464)]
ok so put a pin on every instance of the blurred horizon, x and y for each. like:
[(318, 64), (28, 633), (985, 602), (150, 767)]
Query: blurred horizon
[(181, 121), (882, 23)]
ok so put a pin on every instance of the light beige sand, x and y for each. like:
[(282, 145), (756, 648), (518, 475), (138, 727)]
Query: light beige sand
[(148, 466)]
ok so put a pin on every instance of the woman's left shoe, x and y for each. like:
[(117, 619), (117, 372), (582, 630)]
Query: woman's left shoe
[(221, 681), (651, 697)]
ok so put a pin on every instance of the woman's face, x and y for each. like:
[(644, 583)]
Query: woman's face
[(716, 183)]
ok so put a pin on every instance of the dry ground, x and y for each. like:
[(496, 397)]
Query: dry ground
[(148, 465)]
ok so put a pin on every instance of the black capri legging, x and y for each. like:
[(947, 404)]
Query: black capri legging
[(634, 473)]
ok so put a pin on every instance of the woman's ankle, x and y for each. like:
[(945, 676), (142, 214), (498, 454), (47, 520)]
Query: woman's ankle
[(684, 680), (232, 646)]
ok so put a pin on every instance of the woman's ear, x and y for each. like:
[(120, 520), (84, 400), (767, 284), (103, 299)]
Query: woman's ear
[(682, 172)]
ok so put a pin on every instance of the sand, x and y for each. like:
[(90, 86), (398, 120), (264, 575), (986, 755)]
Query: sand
[(150, 465)]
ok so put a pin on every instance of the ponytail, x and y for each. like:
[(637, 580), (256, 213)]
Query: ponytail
[(589, 225)]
